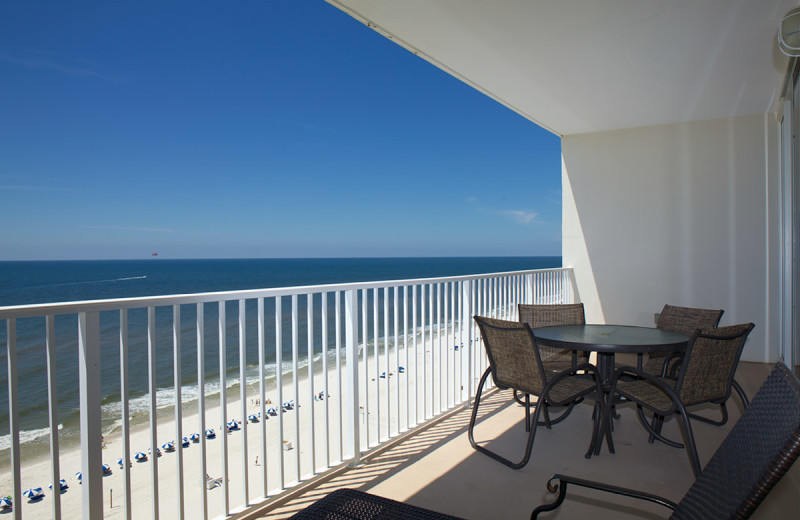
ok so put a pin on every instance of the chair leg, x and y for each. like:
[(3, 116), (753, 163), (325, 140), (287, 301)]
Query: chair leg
[(655, 433), (740, 392), (691, 447), (495, 456)]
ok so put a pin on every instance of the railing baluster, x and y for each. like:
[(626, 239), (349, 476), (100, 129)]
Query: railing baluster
[(396, 308), (243, 399), (325, 377), (151, 357), (262, 347), (296, 385), (13, 414), (124, 400), (339, 395), (262, 427), (386, 362), (365, 351), (310, 367), (377, 360), (406, 365), (176, 344), (201, 405), (353, 442), (223, 403), (52, 408), (279, 383), (415, 371)]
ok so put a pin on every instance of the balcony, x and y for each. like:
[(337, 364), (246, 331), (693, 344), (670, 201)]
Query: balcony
[(386, 358), (437, 469)]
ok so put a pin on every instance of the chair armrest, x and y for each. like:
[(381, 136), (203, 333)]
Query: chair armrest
[(559, 483)]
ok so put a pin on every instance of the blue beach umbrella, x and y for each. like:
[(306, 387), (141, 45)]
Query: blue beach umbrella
[(140, 456), (106, 469), (33, 494), (79, 476), (5, 502), (210, 434), (121, 463), (168, 446), (233, 425), (272, 411), (252, 418), (401, 369), (195, 437), (185, 442), (62, 485)]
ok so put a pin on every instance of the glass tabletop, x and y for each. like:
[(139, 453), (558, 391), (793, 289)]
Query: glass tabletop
[(612, 338)]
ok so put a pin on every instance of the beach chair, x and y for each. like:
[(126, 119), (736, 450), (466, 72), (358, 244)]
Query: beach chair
[(754, 456)]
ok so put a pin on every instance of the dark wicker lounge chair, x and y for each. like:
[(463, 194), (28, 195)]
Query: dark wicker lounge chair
[(514, 363), (706, 376), (758, 451), (685, 320), (350, 504)]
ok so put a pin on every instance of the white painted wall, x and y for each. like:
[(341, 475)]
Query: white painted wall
[(685, 214)]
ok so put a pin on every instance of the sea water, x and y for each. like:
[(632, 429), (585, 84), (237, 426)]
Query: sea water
[(23, 283)]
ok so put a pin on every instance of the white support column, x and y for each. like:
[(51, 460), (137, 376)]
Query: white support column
[(352, 431), (90, 415)]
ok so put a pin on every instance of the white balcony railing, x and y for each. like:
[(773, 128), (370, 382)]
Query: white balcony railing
[(360, 362)]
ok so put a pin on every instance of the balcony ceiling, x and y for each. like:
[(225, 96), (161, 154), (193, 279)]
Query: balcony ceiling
[(576, 66)]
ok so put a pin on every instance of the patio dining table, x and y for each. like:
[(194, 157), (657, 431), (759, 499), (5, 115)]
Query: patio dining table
[(607, 341)]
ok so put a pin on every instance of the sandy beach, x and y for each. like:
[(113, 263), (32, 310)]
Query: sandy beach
[(247, 461)]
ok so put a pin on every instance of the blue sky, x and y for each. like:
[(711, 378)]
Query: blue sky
[(253, 129)]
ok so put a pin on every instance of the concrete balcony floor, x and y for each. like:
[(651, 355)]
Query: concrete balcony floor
[(437, 469)]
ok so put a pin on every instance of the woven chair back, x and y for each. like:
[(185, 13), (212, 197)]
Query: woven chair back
[(710, 364), (686, 320), (757, 452), (513, 355), (547, 315)]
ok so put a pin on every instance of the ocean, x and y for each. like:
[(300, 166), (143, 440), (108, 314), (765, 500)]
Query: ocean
[(38, 282)]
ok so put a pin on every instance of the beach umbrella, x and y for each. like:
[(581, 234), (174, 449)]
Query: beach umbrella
[(195, 437), (5, 502), (121, 463), (233, 425), (252, 417), (79, 476), (185, 442), (33, 493), (401, 369), (140, 457), (272, 411), (106, 469), (210, 434), (168, 446), (62, 485)]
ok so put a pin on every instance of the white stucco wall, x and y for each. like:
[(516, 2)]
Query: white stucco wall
[(684, 214)]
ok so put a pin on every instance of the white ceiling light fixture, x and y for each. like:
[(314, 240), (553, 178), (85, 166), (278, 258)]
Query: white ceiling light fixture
[(789, 33)]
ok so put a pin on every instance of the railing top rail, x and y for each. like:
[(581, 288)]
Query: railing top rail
[(43, 309)]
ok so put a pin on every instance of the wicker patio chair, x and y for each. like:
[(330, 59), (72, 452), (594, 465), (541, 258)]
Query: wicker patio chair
[(685, 320), (706, 376), (757, 452), (554, 359), (545, 315), (514, 363)]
